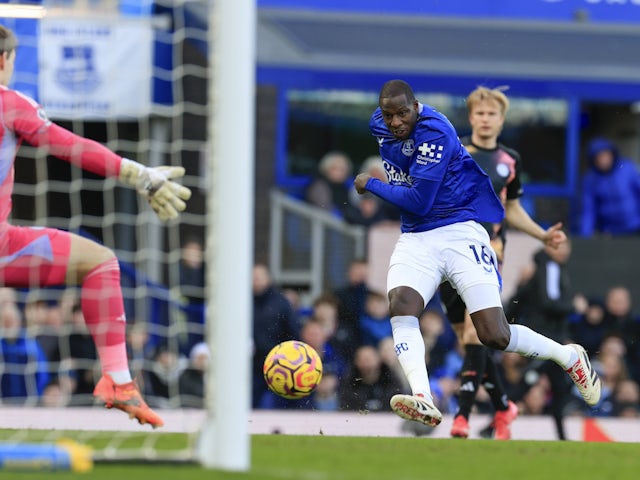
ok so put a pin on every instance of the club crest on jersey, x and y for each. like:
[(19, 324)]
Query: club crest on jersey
[(502, 170), (408, 147), (429, 153)]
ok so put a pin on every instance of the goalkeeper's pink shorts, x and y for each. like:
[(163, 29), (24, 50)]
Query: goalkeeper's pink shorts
[(33, 256)]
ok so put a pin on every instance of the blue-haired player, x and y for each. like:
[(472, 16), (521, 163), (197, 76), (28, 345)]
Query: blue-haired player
[(444, 195)]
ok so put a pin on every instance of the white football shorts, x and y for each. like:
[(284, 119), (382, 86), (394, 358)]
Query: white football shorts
[(460, 253)]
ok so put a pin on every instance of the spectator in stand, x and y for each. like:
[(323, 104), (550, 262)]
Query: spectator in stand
[(35, 312), (273, 322), (50, 321), (544, 299), (626, 399), (437, 333), (139, 350), (325, 396), (162, 377), (192, 281), (614, 372), (369, 384), (57, 394), (80, 353), (619, 316), (445, 382), (24, 370), (613, 343), (618, 308), (325, 312), (441, 354), (192, 270), (192, 379), (610, 202), (48, 327), (351, 299), (535, 400), (544, 302), (8, 295), (300, 310), (431, 328), (367, 212), (329, 189), (68, 301), (375, 323), (588, 327)]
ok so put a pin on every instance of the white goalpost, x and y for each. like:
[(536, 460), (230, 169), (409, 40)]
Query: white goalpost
[(224, 439)]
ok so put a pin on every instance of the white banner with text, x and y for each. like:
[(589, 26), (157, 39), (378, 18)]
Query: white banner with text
[(92, 68)]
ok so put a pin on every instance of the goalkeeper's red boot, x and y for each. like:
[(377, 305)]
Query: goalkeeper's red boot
[(127, 398)]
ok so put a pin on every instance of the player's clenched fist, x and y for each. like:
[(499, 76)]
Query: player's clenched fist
[(361, 182), (166, 197)]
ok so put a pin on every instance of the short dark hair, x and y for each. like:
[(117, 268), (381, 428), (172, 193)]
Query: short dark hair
[(395, 88), (8, 41)]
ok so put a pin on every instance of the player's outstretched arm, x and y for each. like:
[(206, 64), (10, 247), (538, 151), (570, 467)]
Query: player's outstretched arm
[(517, 217), (166, 197)]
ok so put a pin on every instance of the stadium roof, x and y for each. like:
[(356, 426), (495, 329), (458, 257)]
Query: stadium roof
[(353, 41)]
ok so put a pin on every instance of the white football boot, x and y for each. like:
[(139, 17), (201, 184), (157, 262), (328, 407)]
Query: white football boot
[(416, 407), (585, 377)]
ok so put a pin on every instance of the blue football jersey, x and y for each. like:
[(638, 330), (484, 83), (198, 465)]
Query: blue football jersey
[(432, 178)]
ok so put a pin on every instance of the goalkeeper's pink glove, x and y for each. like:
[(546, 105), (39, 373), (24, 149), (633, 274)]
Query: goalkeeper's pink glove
[(166, 197)]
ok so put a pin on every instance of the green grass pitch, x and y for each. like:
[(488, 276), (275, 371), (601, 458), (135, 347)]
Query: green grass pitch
[(289, 457)]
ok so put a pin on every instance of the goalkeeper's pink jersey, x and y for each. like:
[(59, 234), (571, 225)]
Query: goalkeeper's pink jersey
[(21, 118)]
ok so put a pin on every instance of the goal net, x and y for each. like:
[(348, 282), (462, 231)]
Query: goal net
[(143, 78)]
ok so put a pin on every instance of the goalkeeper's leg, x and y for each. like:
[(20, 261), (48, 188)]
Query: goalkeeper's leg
[(42, 257), (96, 268)]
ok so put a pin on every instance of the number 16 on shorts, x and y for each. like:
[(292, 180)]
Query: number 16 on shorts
[(484, 257)]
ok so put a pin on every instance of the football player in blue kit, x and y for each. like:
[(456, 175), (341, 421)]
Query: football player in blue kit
[(444, 196)]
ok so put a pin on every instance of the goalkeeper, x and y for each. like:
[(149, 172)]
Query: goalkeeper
[(40, 257)]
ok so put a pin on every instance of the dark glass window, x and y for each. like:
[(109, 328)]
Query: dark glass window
[(320, 121)]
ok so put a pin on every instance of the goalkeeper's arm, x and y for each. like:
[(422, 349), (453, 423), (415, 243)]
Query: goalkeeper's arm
[(166, 197)]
